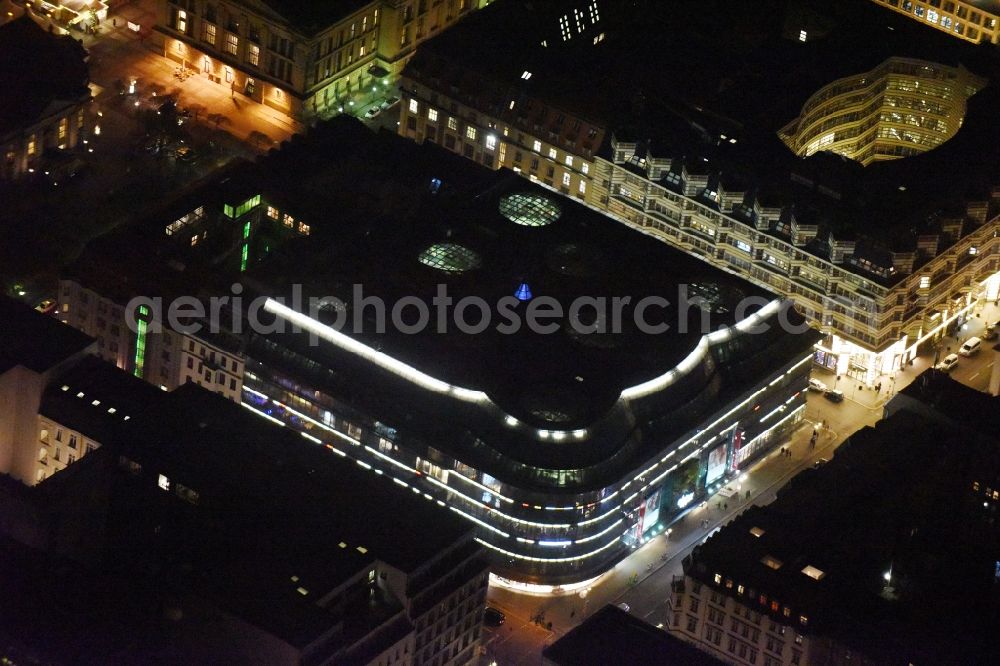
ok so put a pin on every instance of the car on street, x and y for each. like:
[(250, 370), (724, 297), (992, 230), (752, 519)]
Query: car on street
[(389, 102), (991, 333), (833, 395), (492, 617), (46, 306), (624, 606), (949, 363), (373, 111), (971, 347), (820, 462), (817, 385)]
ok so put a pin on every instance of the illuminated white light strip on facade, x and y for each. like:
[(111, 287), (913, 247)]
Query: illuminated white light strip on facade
[(266, 416), (480, 522), (381, 359), (601, 533), (481, 487), (425, 381), (698, 354), (555, 544), (530, 558), (311, 438)]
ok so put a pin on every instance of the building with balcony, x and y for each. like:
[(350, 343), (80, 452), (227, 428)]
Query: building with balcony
[(886, 554), (972, 20), (564, 447), (882, 259), (45, 109), (303, 59)]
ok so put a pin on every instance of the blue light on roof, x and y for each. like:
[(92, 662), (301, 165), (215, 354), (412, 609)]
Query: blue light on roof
[(435, 185), (523, 292)]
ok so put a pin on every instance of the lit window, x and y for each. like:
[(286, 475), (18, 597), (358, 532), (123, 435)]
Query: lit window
[(278, 93), (303, 229), (253, 55), (272, 212), (569, 160), (973, 250), (414, 106), (537, 146), (585, 168), (181, 21), (491, 141), (163, 482), (470, 132), (526, 75), (432, 115), (229, 74), (289, 221), (925, 281), (583, 187), (232, 41), (63, 126), (31, 145), (718, 579), (552, 153), (566, 180), (803, 35), (453, 123), (209, 33)]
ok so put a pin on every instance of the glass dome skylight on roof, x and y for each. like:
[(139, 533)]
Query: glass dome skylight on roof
[(530, 210), (450, 258)]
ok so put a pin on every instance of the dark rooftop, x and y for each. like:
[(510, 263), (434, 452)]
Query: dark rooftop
[(313, 16), (35, 340), (37, 69), (675, 80), (951, 400), (119, 396), (275, 512), (613, 636), (906, 496)]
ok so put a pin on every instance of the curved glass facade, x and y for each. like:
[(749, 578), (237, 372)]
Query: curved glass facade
[(664, 445), (902, 108)]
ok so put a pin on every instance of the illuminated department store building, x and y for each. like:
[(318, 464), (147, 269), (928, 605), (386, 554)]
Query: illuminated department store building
[(565, 448), (859, 183)]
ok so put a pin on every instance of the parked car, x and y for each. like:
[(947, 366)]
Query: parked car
[(971, 347), (186, 155), (949, 363), (820, 462), (389, 103), (493, 617), (817, 385), (834, 395), (373, 111), (991, 333), (624, 606), (46, 306)]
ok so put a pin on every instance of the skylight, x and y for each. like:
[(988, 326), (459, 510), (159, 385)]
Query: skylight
[(757, 532), (814, 573), (450, 258), (530, 210)]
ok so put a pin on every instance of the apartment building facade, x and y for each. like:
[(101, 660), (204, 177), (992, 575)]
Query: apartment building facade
[(970, 20), (303, 61), (150, 349)]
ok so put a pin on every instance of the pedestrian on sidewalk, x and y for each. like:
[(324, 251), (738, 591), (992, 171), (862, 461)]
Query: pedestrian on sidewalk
[(748, 494)]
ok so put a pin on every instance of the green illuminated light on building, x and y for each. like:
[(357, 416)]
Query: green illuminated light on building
[(228, 210), (140, 340), (247, 206)]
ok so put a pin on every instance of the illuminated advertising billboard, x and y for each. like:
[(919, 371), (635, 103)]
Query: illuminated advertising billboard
[(716, 464), (650, 513)]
